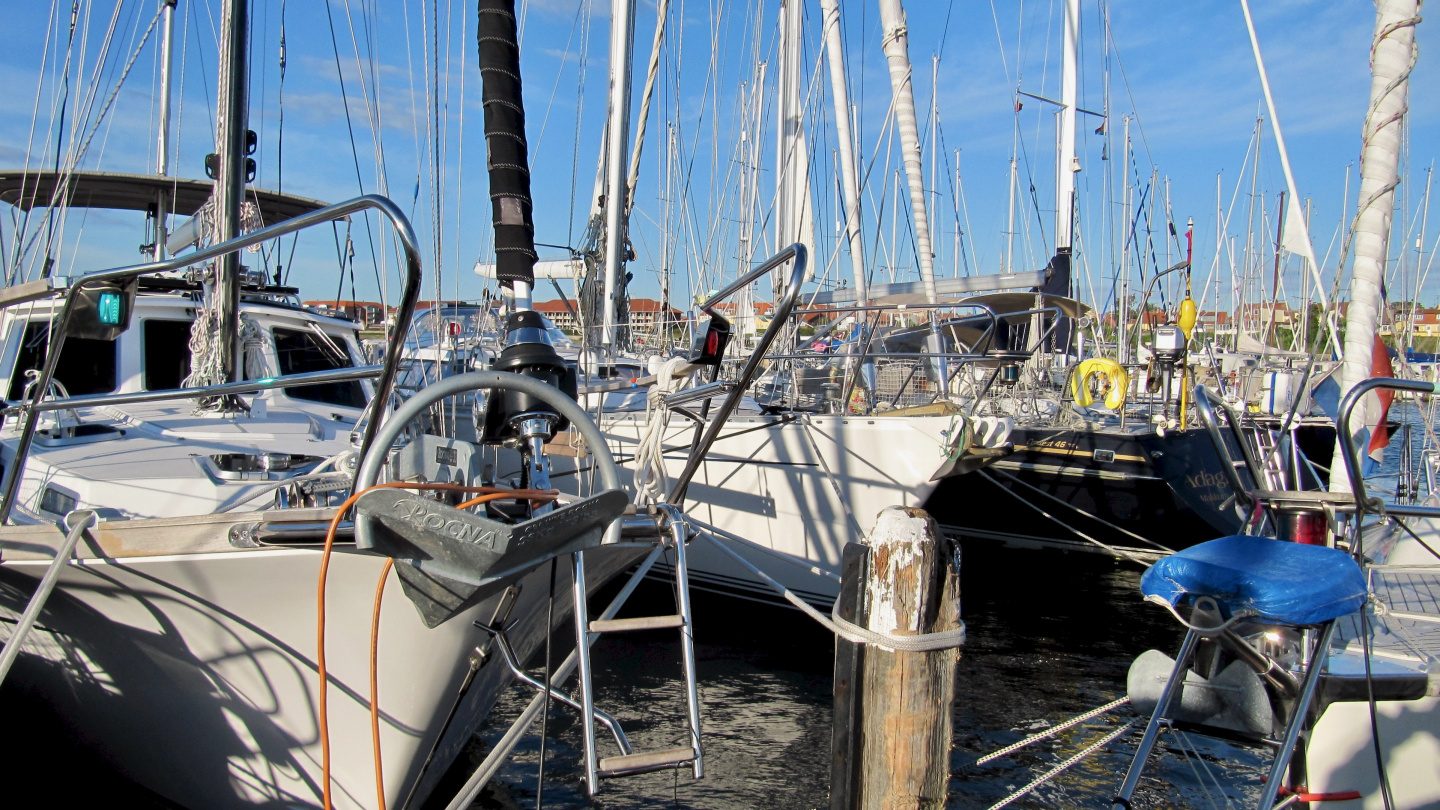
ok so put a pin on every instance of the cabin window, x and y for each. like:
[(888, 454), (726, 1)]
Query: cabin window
[(86, 365), (302, 350), (166, 360)]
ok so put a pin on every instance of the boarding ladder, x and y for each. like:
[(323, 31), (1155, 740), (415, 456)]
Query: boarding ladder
[(1272, 461), (666, 525)]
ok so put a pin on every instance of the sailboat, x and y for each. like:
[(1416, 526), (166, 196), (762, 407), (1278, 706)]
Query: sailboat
[(784, 488), (178, 448), (1346, 697), (1116, 461)]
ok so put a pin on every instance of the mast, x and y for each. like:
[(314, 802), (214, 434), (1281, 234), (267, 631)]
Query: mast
[(232, 101), (1067, 165), (1009, 259), (1391, 60), (162, 140), (897, 53), (1419, 260), (667, 250), (958, 244), (1122, 322), (849, 174), (793, 221), (1246, 280), (1215, 266), (622, 41), (750, 162)]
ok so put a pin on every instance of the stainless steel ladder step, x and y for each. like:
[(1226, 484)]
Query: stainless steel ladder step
[(644, 761), (636, 623), (673, 534)]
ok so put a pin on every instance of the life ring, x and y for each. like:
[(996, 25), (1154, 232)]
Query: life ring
[(1115, 374)]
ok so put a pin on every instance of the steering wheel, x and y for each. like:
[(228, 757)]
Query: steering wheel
[(474, 381)]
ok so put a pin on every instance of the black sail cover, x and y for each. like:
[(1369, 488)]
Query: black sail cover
[(506, 151), (1058, 283)]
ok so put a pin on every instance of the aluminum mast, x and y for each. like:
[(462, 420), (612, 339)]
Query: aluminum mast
[(793, 219), (849, 174), (232, 101), (1066, 166), (162, 140), (622, 43)]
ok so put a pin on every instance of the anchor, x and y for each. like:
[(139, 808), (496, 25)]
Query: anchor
[(450, 560)]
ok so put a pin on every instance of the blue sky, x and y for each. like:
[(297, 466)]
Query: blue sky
[(1183, 72)]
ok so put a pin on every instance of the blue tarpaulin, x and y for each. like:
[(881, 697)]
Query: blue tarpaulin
[(1275, 580)]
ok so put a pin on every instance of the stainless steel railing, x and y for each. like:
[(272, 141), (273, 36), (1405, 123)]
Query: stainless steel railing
[(782, 314), (1205, 402), (32, 408), (1363, 503), (1351, 455), (203, 392)]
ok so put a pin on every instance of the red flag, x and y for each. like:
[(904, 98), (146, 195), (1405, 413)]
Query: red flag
[(1380, 367)]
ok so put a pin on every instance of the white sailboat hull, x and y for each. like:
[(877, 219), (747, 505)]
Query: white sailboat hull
[(800, 489), (1405, 626), (195, 676)]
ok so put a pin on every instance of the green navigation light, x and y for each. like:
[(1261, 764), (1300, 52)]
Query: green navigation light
[(110, 308)]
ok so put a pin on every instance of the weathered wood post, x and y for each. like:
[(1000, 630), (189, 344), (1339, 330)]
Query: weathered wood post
[(891, 740)]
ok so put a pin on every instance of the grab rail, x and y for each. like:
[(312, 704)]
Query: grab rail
[(1351, 455), (241, 387), (411, 294), (1348, 453), (747, 374), (1205, 400)]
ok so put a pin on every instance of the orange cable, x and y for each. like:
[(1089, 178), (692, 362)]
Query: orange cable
[(375, 682), (320, 613), (375, 641), (541, 495), (490, 493)]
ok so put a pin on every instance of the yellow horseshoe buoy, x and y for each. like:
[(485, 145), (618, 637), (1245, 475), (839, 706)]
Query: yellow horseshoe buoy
[(1113, 372)]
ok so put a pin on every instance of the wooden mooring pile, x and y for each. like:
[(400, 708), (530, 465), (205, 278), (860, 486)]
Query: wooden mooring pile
[(890, 742)]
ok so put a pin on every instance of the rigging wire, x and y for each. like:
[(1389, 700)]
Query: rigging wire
[(18, 224), (59, 135), (349, 125)]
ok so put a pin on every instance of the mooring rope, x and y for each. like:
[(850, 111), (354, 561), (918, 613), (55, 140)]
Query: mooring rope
[(1066, 765), (1113, 550), (1096, 518), (1052, 731), (920, 642)]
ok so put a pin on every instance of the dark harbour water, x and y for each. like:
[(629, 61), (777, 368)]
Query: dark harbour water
[(1050, 636)]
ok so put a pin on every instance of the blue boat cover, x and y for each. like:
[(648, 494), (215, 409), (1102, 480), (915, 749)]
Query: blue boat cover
[(1286, 583)]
